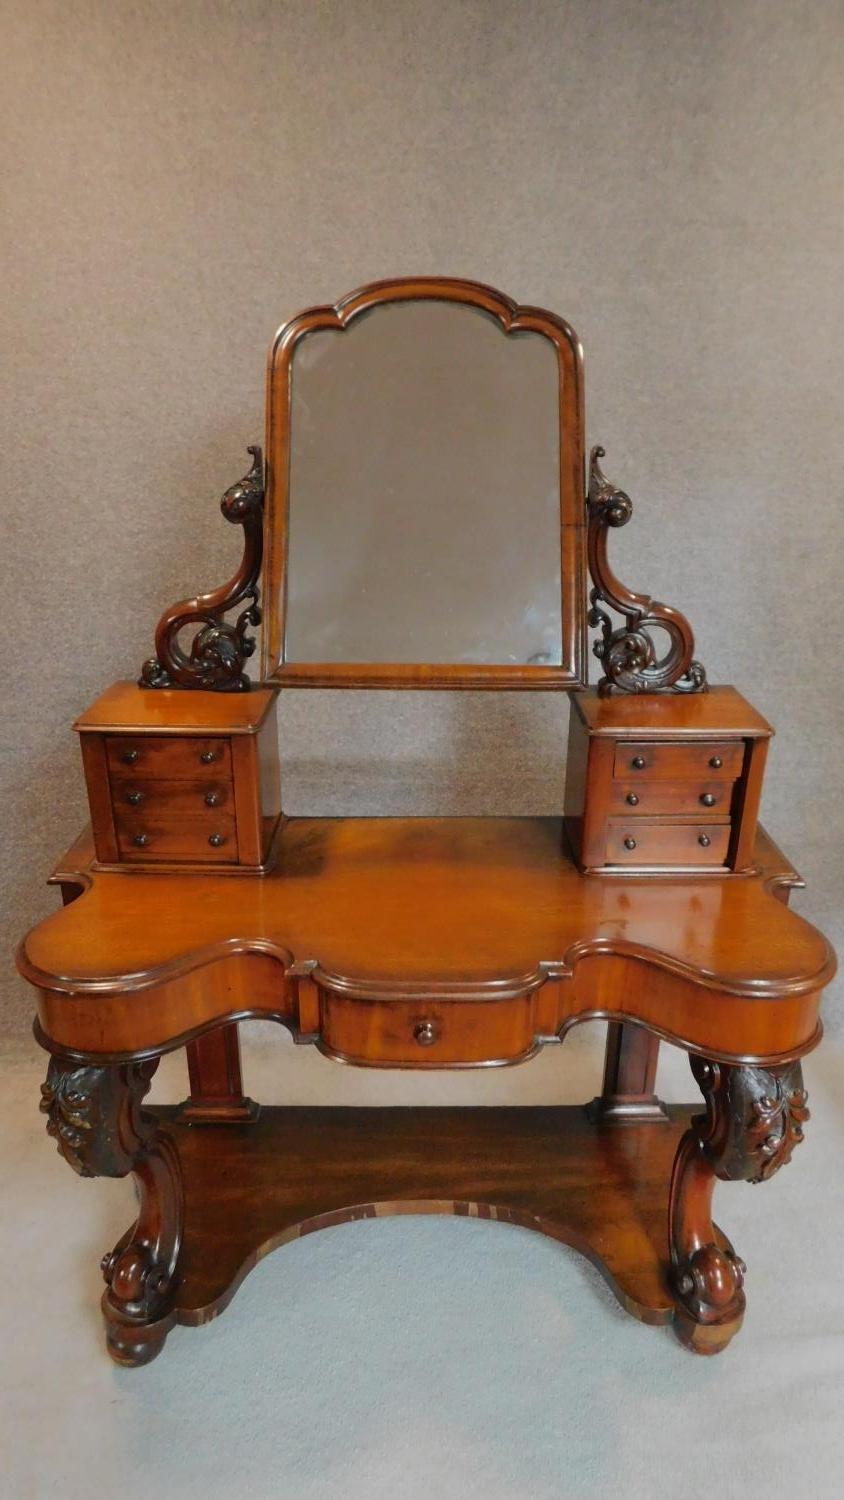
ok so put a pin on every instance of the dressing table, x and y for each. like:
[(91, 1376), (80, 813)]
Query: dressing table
[(425, 519)]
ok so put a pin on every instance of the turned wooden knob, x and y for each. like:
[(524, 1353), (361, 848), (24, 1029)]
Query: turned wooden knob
[(425, 1033)]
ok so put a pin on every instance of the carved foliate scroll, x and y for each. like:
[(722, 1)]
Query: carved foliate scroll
[(95, 1117), (94, 1114), (219, 649), (627, 653), (754, 1119)]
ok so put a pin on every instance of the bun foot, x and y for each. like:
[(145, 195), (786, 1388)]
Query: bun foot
[(134, 1344), (705, 1338)]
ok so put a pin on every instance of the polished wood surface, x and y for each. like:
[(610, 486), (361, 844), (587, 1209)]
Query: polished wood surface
[(647, 841), (197, 786), (167, 756), (721, 712), (712, 759), (638, 800), (473, 910), (188, 797), (634, 798), (630, 1064), (216, 1083), (171, 711), (603, 1192)]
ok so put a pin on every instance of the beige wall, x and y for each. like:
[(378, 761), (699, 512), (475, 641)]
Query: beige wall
[(181, 177)]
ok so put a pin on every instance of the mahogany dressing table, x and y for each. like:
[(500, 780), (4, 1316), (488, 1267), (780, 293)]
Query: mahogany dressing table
[(424, 520)]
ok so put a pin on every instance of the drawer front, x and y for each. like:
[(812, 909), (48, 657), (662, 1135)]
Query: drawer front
[(651, 798), (198, 798), (701, 760), (427, 1033), (142, 838), (168, 757), (639, 842)]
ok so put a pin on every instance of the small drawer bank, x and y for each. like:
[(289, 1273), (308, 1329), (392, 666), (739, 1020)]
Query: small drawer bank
[(182, 779), (664, 782)]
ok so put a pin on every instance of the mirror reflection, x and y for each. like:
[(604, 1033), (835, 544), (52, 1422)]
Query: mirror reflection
[(424, 510)]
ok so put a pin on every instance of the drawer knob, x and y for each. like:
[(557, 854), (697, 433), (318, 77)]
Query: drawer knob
[(208, 757), (134, 798), (629, 843), (425, 1033), (216, 840), (141, 840), (130, 756), (704, 840), (709, 799), (716, 762), (212, 799), (632, 799), (638, 762)]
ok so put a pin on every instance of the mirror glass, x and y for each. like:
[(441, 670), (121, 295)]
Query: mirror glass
[(424, 501)]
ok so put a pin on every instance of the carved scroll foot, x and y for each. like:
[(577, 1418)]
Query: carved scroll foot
[(95, 1115), (754, 1119)]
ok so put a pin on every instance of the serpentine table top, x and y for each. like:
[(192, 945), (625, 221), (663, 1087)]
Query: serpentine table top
[(487, 916)]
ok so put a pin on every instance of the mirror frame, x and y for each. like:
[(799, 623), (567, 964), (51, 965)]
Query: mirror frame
[(512, 319)]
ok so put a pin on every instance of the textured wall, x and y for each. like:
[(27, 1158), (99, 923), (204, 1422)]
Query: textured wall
[(182, 177)]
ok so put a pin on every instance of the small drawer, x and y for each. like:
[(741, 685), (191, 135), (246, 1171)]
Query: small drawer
[(142, 838), (639, 842), (701, 760), (427, 1033), (168, 757), (148, 798), (691, 799)]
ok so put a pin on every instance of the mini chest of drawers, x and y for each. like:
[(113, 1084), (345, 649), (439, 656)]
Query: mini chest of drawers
[(668, 782), (178, 779)]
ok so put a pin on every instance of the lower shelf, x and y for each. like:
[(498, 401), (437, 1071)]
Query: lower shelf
[(601, 1189)]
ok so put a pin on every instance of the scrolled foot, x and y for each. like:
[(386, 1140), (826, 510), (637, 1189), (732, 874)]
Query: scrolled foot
[(710, 1300), (754, 1119), (95, 1115)]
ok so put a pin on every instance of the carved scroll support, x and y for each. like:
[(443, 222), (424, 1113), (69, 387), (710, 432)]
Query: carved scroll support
[(628, 654), (219, 649), (95, 1116), (754, 1119)]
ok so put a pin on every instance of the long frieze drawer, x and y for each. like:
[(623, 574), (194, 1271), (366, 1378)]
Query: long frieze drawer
[(198, 798), (427, 1033), (693, 799), (639, 842), (168, 757), (703, 760), (142, 838)]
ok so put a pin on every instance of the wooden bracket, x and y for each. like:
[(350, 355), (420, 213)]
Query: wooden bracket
[(219, 650), (628, 654)]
